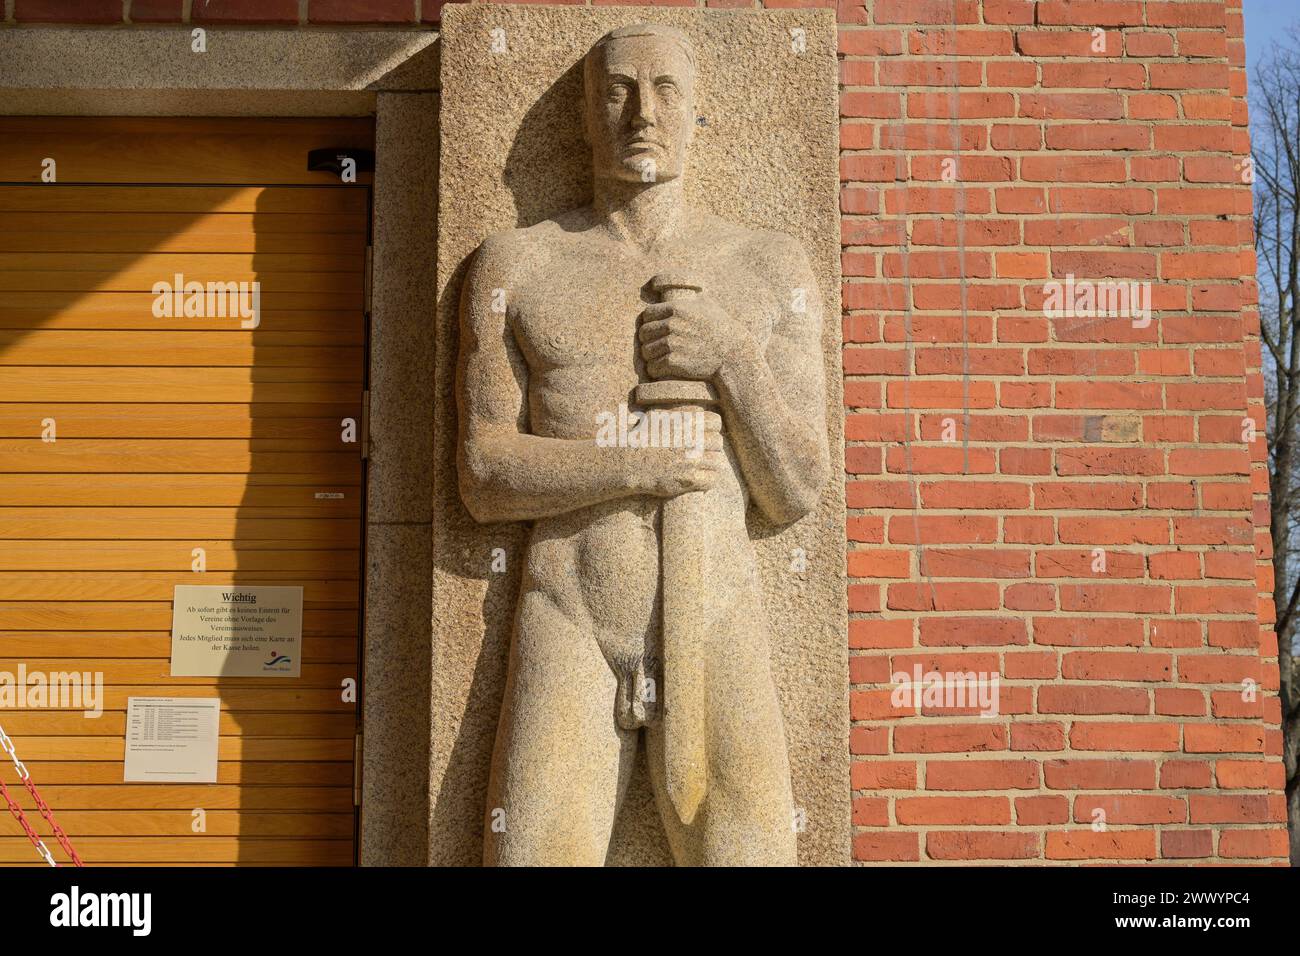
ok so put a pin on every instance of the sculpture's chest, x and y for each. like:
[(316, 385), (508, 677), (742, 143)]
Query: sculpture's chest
[(584, 310)]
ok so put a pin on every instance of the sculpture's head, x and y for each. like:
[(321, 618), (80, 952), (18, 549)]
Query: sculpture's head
[(640, 85)]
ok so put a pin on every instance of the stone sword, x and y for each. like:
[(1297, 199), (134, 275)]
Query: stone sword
[(683, 537)]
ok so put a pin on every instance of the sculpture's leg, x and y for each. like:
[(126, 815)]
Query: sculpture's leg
[(561, 765), (746, 818)]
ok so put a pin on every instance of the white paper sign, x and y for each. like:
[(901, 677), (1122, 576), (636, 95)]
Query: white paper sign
[(171, 739), (245, 630)]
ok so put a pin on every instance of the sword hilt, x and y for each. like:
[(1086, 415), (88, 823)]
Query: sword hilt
[(670, 287)]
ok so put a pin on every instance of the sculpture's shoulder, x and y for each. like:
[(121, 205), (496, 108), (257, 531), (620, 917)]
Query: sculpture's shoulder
[(501, 252), (506, 252), (773, 253)]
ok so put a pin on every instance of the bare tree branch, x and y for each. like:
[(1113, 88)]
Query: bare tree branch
[(1275, 155)]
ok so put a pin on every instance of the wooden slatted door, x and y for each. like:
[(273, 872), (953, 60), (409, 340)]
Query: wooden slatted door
[(172, 434)]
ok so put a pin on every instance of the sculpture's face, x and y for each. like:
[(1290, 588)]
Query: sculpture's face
[(640, 109)]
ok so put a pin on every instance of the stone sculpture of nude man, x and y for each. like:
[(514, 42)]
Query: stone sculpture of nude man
[(560, 324)]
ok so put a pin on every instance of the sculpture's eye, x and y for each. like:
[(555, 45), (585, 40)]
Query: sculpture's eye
[(669, 92), (618, 92)]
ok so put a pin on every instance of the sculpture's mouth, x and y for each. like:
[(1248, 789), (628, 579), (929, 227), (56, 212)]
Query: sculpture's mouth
[(642, 143)]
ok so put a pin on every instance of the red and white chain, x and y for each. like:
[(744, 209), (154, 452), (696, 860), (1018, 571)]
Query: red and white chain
[(7, 746)]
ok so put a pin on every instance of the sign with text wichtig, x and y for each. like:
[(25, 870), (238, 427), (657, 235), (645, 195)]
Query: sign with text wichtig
[(236, 631)]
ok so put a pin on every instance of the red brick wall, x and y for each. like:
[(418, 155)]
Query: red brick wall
[(1121, 690)]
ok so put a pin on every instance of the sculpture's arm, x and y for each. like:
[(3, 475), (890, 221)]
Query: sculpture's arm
[(774, 401), (507, 474)]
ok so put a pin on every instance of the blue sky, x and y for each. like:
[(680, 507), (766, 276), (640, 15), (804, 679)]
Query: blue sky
[(1265, 20)]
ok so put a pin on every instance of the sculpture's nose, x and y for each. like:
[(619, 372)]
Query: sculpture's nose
[(645, 106)]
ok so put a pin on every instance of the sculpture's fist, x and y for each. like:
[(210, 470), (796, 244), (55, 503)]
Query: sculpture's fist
[(690, 337), (666, 472)]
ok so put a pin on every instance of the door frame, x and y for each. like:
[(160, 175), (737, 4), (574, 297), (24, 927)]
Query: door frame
[(393, 76)]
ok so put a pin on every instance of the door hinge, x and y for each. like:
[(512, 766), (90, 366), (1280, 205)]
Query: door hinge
[(369, 277), (365, 425), (356, 771)]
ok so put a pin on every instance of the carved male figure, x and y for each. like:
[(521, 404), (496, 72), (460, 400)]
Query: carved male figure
[(639, 294)]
